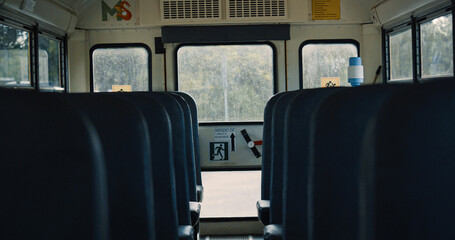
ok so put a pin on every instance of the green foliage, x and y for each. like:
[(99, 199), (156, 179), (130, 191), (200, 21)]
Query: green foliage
[(437, 47), (229, 83), (50, 57), (14, 60), (436, 50), (326, 60), (401, 55), (120, 66)]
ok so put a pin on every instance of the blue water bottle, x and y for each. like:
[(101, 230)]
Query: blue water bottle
[(355, 71)]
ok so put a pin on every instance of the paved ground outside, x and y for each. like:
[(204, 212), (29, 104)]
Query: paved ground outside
[(231, 194)]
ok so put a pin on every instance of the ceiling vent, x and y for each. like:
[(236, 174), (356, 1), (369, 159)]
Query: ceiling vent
[(190, 10), (257, 9)]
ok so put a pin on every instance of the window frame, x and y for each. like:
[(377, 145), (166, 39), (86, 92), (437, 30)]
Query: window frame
[(387, 33), (274, 69), (414, 23), (322, 42), (63, 56), (122, 45), (35, 30)]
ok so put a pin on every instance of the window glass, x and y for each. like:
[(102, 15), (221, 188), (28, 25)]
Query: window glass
[(401, 55), (14, 57), (320, 61), (437, 47), (228, 82), (49, 63), (125, 66)]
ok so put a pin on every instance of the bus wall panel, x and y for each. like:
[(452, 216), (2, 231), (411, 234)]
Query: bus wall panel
[(392, 11), (46, 12), (78, 51), (240, 156), (370, 51), (81, 41), (301, 33), (146, 13)]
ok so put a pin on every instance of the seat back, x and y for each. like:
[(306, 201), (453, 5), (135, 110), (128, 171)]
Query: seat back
[(175, 113), (276, 151), (52, 176), (298, 117), (197, 155), (190, 156), (266, 147), (408, 163), (160, 134), (336, 140), (124, 136)]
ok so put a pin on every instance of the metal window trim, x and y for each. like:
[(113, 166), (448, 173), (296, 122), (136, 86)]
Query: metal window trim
[(322, 42), (275, 73), (35, 30), (399, 29), (121, 45), (414, 23), (63, 56)]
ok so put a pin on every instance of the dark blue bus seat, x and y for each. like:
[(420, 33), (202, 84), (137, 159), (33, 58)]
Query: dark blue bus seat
[(263, 205), (195, 206), (160, 132), (408, 166), (175, 113), (336, 140), (298, 118), (197, 155), (126, 144), (188, 133), (52, 171), (276, 150)]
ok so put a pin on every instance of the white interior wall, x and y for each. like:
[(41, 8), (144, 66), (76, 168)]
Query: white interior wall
[(299, 11), (301, 33), (78, 51), (80, 48), (368, 36), (371, 52), (354, 13)]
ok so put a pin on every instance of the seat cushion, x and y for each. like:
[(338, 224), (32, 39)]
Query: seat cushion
[(186, 232), (195, 209), (273, 232)]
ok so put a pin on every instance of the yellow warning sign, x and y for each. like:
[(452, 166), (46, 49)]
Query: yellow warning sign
[(325, 9), (330, 82), (121, 88)]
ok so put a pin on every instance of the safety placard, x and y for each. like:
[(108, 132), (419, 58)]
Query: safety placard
[(121, 88), (326, 9), (219, 151), (330, 82), (227, 134)]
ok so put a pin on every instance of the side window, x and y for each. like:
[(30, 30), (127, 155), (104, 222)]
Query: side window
[(437, 47), (228, 82), (421, 48), (321, 59), (120, 66), (14, 57), (50, 64), (400, 54)]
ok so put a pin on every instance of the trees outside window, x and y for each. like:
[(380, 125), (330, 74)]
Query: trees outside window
[(120, 65), (228, 82)]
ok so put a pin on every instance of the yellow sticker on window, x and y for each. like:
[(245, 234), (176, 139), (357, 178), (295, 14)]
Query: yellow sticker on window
[(326, 9), (121, 88), (330, 82)]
